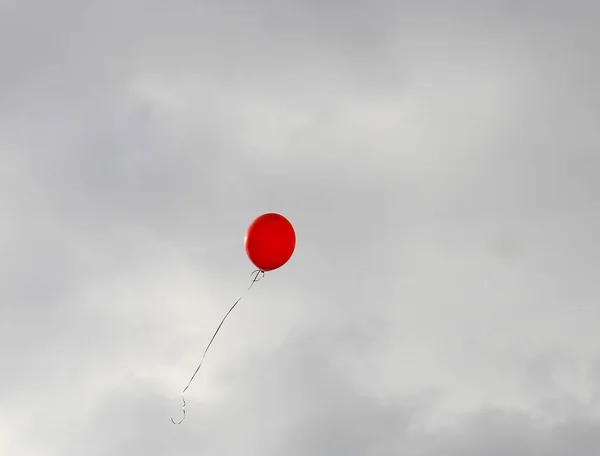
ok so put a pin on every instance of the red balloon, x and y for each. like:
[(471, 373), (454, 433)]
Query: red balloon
[(270, 241)]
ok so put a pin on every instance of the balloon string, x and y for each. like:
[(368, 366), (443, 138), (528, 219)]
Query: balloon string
[(256, 274)]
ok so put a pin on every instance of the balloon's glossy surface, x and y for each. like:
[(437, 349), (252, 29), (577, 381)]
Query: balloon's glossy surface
[(270, 241)]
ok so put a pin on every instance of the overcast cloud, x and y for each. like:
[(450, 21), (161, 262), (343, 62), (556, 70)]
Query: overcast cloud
[(439, 161)]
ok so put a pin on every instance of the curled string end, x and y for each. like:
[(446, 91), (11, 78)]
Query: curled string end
[(183, 410), (177, 422)]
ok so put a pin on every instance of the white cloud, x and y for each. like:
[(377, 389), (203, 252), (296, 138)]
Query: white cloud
[(438, 164)]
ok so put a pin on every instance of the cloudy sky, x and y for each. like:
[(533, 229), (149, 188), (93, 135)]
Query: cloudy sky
[(439, 162)]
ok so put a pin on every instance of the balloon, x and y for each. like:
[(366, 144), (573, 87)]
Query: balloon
[(270, 241)]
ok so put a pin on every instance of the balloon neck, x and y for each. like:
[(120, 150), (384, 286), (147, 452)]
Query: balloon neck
[(257, 275)]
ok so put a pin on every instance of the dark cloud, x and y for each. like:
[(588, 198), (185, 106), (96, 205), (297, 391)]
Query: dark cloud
[(296, 402)]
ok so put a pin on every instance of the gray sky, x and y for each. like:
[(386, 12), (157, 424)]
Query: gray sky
[(438, 160)]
